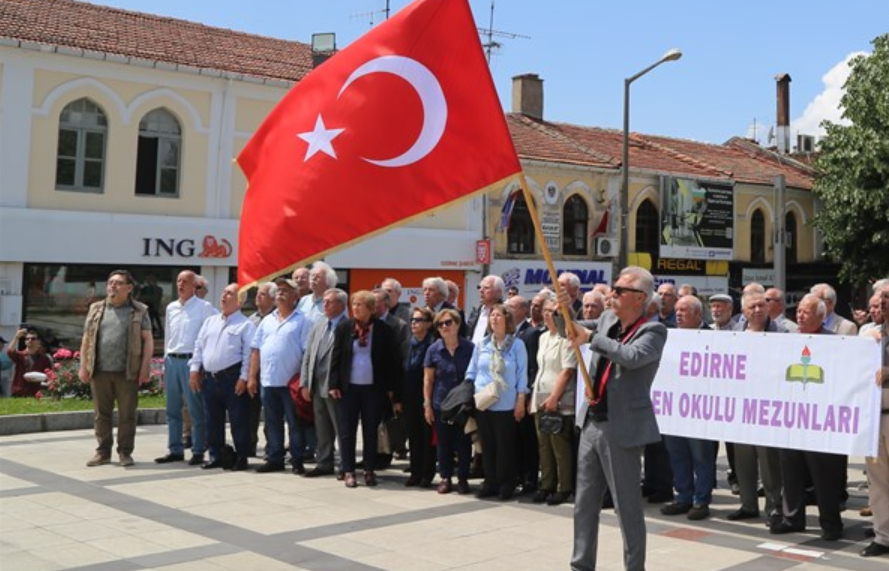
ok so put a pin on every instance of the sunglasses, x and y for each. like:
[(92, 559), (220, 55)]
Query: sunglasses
[(445, 323), (620, 290), (419, 320)]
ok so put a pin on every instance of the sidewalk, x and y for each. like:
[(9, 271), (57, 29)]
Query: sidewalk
[(55, 513)]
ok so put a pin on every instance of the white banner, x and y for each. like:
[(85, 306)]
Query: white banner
[(804, 392)]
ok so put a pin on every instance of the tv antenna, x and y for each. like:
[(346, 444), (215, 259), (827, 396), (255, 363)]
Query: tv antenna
[(372, 14), (491, 45)]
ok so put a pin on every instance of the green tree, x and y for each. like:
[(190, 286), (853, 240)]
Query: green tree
[(853, 172)]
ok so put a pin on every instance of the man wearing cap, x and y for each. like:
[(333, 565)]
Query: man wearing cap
[(277, 352), (184, 319), (721, 311)]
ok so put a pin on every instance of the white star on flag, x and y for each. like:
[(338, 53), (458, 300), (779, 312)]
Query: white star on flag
[(320, 139)]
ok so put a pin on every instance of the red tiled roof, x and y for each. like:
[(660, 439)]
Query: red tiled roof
[(84, 26), (535, 140)]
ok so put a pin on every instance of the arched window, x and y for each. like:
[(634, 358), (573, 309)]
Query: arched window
[(647, 236), (157, 165), (758, 237), (575, 222), (80, 155), (790, 229), (520, 234)]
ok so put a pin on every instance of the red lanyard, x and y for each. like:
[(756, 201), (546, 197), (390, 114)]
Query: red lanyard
[(607, 372)]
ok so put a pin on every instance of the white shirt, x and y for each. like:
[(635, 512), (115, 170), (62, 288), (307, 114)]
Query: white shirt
[(184, 323), (481, 325), (223, 342)]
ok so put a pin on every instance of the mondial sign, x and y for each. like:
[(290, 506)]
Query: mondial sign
[(532, 276)]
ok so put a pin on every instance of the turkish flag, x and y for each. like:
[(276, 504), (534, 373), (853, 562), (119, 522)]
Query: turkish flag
[(401, 123)]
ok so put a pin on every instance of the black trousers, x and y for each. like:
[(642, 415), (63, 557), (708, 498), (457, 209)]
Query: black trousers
[(658, 474), (498, 433), (827, 471), (528, 452), (419, 436)]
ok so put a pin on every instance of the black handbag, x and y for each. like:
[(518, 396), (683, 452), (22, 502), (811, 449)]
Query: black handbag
[(550, 422)]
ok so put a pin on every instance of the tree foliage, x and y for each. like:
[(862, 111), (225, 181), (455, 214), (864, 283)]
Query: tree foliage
[(853, 172)]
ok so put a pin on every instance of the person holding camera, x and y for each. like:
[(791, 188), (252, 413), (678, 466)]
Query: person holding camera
[(32, 360)]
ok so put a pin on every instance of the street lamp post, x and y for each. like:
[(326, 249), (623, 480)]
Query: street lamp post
[(671, 55)]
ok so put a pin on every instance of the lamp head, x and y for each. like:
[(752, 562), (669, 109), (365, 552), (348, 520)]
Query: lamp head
[(672, 55)]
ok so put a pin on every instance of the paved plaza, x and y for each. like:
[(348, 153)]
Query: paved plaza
[(55, 513)]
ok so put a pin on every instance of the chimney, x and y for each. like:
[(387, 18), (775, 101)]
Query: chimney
[(783, 132), (527, 95)]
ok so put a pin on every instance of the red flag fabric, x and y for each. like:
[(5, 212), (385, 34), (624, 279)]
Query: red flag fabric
[(402, 122)]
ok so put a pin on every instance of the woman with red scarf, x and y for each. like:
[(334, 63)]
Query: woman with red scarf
[(365, 374)]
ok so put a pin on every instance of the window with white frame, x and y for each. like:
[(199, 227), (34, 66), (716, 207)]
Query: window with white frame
[(80, 154), (158, 160)]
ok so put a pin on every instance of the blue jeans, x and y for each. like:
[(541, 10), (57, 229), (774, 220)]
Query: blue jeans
[(219, 397), (278, 407), (176, 388), (692, 462)]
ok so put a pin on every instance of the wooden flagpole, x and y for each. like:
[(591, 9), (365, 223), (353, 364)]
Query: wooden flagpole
[(569, 322)]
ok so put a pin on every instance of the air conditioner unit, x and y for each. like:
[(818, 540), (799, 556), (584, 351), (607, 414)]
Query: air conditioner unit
[(805, 144), (606, 247)]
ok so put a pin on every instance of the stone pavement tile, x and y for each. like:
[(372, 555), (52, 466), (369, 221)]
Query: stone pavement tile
[(348, 547), (26, 561), (127, 546), (85, 531), (179, 539), (687, 554), (10, 522), (77, 555), (402, 562), (13, 483), (35, 539), (247, 561)]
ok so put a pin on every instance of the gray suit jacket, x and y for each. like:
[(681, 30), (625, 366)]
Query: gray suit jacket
[(629, 387), (316, 361), (842, 326)]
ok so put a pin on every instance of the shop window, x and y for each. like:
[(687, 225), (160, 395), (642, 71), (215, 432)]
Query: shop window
[(647, 222), (576, 220), (80, 154), (758, 237), (158, 160), (56, 297), (520, 234), (791, 233)]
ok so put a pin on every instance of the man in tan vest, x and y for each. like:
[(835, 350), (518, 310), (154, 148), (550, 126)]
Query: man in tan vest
[(115, 358)]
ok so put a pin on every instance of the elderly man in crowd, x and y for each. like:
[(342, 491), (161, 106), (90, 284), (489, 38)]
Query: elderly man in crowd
[(115, 357), (314, 380), (752, 462), (721, 311), (667, 291), (691, 459), (878, 468), (570, 283), (218, 371), (827, 471), (616, 422), (491, 293), (453, 292), (265, 304), (833, 321), (302, 277), (184, 319), (593, 305), (400, 310), (875, 314), (775, 306), (321, 278), (277, 351)]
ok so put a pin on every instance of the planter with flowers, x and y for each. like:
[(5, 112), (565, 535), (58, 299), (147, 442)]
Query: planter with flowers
[(63, 382)]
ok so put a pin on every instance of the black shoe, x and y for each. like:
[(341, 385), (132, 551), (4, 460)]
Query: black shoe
[(675, 508), (298, 470), (699, 512), (196, 460), (211, 465), (556, 498), (874, 550), (507, 491), (540, 496), (486, 492), (240, 464), (740, 514), (425, 483), (412, 482), (318, 471), (660, 497), (869, 532), (186, 442), (785, 526), (463, 487), (528, 488), (270, 467), (170, 458), (340, 476), (832, 534)]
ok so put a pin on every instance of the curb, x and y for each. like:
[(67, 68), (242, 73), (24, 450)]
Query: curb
[(53, 421)]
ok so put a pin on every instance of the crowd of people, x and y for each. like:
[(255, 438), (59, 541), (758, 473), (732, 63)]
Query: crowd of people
[(495, 395)]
